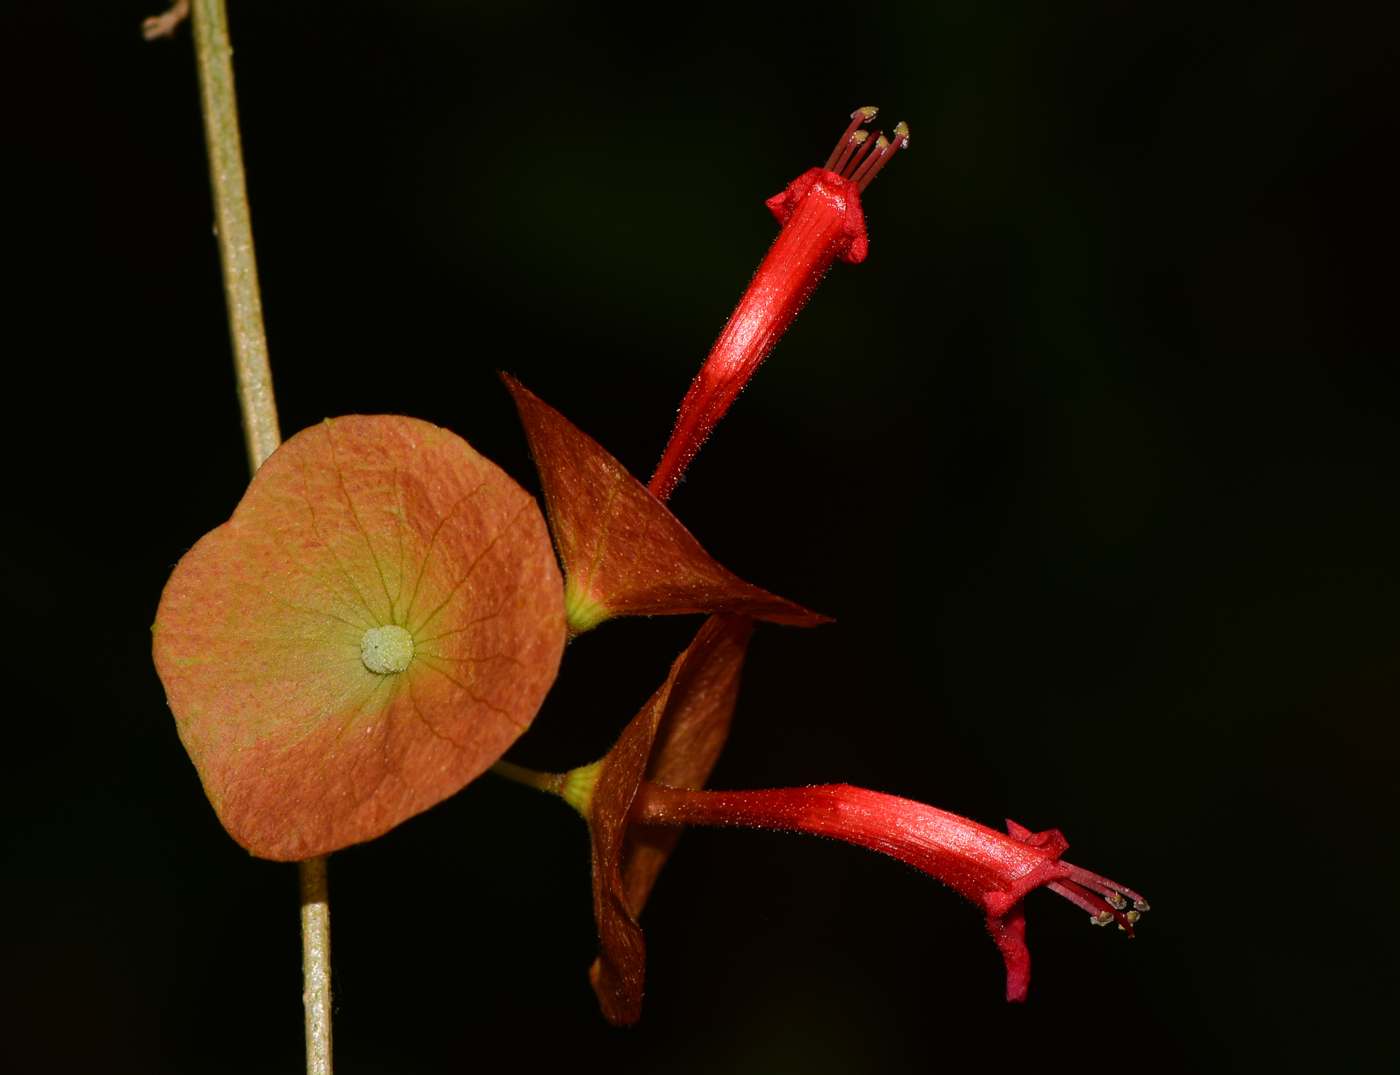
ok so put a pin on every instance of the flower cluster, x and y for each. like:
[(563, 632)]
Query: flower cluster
[(637, 798), (625, 553), (383, 615)]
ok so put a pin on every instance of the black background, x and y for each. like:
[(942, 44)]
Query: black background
[(1094, 460)]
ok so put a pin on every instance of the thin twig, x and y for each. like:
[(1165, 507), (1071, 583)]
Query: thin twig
[(260, 429), (164, 25), (316, 964), (235, 230)]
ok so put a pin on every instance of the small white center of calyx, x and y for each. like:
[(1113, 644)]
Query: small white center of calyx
[(386, 649)]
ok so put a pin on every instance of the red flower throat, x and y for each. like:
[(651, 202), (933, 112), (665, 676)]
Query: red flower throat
[(624, 553)]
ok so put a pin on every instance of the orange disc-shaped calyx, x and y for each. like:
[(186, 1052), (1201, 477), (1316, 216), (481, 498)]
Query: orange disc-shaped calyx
[(377, 623)]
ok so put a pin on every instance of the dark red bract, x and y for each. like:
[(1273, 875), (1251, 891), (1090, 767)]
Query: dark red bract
[(624, 553)]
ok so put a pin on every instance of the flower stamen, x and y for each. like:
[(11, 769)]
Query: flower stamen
[(859, 116), (1109, 889), (1100, 914), (866, 147), (881, 144), (887, 150), (856, 141)]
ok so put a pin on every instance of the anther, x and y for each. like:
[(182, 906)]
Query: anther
[(858, 117), (864, 149), (879, 159), (871, 164), (1103, 918), (1132, 917), (1116, 901), (1141, 905)]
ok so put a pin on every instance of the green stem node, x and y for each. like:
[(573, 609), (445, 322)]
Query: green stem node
[(575, 787)]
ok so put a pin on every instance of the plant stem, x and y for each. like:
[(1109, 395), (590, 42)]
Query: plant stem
[(550, 782), (316, 964), (235, 231), (261, 434), (575, 787)]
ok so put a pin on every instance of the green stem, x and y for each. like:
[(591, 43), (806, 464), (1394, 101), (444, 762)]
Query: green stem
[(550, 782), (235, 230), (575, 787)]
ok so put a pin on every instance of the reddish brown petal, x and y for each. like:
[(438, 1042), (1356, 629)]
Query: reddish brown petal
[(624, 553), (358, 524), (690, 712), (1009, 933)]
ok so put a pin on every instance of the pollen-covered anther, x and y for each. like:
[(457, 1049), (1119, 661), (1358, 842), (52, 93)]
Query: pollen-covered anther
[(386, 649), (1103, 918), (866, 146), (1140, 905), (884, 150), (852, 144), (848, 140), (1116, 901), (1132, 917), (881, 144)]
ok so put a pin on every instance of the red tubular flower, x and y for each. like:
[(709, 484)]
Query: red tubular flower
[(637, 798), (992, 869), (822, 219)]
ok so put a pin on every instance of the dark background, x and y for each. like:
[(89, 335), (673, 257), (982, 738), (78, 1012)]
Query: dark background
[(1094, 460)]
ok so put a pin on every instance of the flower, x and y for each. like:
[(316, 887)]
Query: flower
[(992, 869), (638, 797), (822, 219), (676, 739)]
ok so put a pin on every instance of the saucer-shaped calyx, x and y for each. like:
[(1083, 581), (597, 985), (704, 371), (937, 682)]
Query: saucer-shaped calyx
[(378, 621), (624, 553)]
